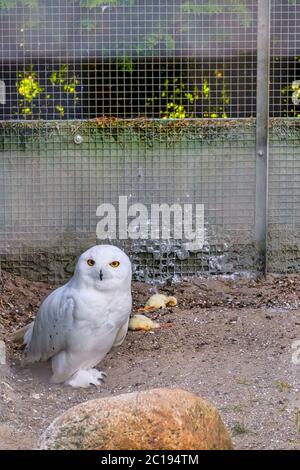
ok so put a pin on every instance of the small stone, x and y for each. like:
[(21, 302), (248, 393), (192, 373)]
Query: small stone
[(36, 396), (2, 353)]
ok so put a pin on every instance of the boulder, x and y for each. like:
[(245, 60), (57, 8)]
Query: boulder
[(149, 420)]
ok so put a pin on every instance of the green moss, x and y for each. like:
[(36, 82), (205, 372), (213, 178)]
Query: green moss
[(145, 130), (149, 132), (285, 129)]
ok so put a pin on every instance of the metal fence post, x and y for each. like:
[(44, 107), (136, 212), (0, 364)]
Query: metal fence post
[(262, 131)]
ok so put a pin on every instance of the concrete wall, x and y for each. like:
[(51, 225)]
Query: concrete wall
[(50, 188), (284, 197)]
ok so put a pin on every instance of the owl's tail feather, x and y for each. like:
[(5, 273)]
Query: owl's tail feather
[(23, 335)]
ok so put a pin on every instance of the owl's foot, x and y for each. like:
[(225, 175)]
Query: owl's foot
[(98, 374), (85, 378)]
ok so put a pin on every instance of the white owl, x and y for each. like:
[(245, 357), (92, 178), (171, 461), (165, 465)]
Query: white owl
[(78, 323)]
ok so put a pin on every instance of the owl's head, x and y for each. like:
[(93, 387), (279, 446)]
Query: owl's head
[(104, 267)]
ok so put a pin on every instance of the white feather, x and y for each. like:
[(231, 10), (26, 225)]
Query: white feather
[(78, 323)]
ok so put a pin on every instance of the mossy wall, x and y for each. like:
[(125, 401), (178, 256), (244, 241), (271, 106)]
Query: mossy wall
[(284, 197), (50, 188)]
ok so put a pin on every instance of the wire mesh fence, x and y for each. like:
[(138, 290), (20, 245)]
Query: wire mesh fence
[(283, 238), (52, 186), (152, 101), (160, 59)]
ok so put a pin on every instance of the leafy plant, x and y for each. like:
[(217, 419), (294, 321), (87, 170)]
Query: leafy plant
[(178, 98), (68, 84), (6, 4), (238, 7), (155, 40), (96, 3), (218, 6), (239, 429), (61, 77), (126, 64), (290, 95), (282, 386), (29, 89)]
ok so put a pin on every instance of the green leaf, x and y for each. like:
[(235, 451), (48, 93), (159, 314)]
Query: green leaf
[(6, 4), (97, 3)]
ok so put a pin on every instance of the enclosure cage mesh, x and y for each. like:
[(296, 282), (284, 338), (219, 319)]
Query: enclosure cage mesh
[(150, 100), (284, 172), (65, 59)]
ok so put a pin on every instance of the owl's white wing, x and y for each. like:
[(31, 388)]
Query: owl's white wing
[(54, 320), (121, 334)]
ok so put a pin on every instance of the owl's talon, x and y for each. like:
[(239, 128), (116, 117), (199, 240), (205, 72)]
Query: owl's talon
[(86, 378), (92, 384), (97, 374)]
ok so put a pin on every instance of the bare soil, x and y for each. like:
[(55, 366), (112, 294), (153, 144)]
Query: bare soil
[(230, 341)]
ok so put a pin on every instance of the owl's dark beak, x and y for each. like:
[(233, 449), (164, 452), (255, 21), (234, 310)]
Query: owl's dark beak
[(101, 275)]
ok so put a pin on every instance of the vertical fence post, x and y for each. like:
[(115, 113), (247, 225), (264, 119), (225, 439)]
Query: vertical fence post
[(262, 131)]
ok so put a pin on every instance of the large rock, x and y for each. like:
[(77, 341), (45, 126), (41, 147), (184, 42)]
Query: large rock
[(154, 419)]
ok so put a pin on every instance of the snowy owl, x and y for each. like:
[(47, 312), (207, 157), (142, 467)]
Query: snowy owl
[(78, 323)]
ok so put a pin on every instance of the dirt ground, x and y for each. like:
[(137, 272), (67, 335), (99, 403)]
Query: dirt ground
[(230, 341)]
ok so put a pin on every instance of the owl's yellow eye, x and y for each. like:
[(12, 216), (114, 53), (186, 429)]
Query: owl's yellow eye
[(90, 262), (115, 264)]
